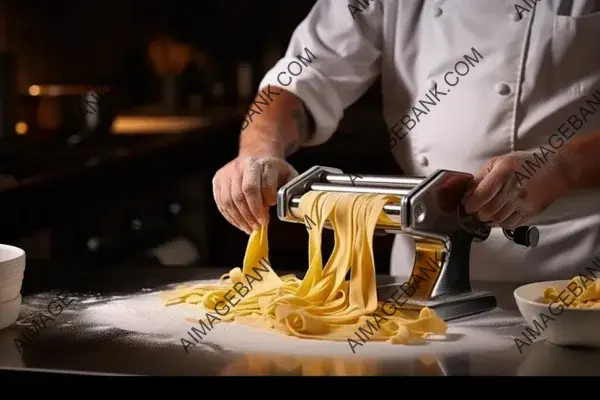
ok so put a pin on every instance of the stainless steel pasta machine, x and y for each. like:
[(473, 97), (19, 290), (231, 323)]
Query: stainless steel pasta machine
[(428, 209)]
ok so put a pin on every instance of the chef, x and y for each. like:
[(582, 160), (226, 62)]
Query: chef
[(509, 92)]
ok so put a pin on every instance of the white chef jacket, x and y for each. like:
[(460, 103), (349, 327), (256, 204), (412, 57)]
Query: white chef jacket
[(533, 68)]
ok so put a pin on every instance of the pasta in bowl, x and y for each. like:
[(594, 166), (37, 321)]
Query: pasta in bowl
[(565, 312)]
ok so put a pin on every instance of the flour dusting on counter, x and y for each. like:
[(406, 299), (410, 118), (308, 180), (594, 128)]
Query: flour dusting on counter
[(144, 318)]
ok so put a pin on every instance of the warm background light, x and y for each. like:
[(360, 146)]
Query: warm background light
[(21, 128), (34, 90), (131, 125)]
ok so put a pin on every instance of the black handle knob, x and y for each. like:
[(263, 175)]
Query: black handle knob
[(524, 235)]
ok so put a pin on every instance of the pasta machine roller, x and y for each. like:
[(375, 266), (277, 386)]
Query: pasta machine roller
[(429, 209)]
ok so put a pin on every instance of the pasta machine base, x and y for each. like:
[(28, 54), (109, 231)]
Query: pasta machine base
[(429, 210), (448, 307)]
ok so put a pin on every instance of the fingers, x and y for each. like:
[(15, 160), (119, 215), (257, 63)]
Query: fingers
[(497, 196), (219, 202), (502, 214), (251, 188), (502, 204), (514, 220), (484, 192), (245, 188), (231, 209), (241, 210)]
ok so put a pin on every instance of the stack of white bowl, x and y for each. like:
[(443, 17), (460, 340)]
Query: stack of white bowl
[(12, 270)]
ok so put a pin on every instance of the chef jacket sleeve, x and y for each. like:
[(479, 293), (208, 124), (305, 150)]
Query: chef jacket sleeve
[(332, 59)]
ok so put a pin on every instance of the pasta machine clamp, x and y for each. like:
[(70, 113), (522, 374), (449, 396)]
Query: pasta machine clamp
[(429, 209)]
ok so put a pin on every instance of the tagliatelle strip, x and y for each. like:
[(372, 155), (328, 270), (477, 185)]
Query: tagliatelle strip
[(323, 305), (580, 292)]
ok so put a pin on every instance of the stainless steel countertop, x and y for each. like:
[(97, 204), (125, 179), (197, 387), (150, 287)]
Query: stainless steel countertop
[(67, 346)]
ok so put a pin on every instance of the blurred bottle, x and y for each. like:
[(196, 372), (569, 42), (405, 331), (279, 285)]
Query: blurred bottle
[(244, 82), (169, 59)]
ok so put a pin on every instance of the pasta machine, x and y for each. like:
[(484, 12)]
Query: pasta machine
[(430, 210)]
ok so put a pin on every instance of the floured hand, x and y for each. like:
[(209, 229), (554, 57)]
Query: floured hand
[(245, 188), (504, 193)]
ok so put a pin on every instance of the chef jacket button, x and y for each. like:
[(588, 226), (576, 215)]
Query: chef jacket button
[(174, 208), (92, 244), (437, 12), (502, 88), (515, 16), (423, 161)]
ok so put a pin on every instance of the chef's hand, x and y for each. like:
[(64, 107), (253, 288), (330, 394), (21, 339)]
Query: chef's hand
[(245, 188), (503, 192)]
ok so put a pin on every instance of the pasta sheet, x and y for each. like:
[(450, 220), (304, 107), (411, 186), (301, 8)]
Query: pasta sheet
[(323, 305)]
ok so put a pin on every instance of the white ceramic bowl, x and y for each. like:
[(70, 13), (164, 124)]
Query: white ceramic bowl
[(9, 312), (12, 269), (569, 327)]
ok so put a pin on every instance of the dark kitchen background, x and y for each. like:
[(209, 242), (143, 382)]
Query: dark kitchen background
[(115, 115)]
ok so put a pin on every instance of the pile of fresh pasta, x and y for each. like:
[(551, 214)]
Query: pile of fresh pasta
[(585, 293), (323, 305)]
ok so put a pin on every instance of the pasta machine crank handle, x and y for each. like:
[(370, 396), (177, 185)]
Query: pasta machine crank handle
[(528, 236)]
